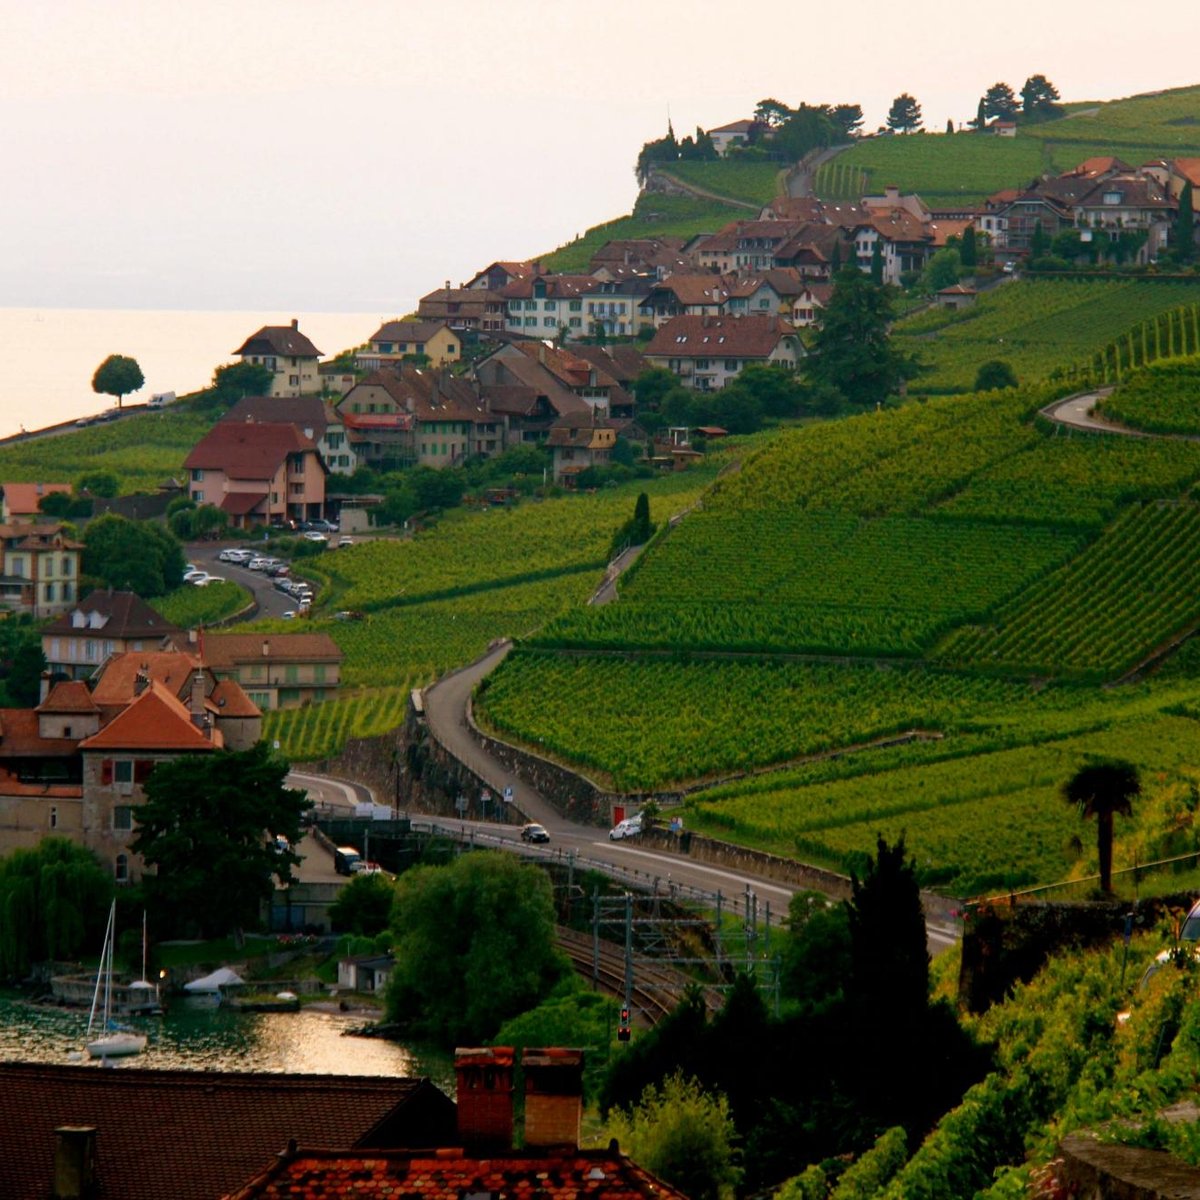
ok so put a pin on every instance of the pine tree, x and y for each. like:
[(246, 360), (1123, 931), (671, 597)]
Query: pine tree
[(967, 252), (905, 114)]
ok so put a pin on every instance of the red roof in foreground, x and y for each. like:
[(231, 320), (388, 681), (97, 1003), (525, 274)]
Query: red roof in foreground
[(564, 1175), (196, 1135), (156, 720), (247, 449)]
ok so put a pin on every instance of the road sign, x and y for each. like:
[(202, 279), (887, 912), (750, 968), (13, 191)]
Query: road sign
[(485, 795), (508, 795), (461, 804)]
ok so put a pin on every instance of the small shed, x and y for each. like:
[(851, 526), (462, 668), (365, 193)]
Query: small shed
[(365, 973), (956, 296)]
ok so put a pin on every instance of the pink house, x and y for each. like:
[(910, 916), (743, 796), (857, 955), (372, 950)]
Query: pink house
[(257, 472)]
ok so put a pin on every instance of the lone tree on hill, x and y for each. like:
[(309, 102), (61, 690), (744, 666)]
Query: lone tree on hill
[(117, 375), (905, 114), (994, 375), (1102, 790), (1000, 102), (1038, 98)]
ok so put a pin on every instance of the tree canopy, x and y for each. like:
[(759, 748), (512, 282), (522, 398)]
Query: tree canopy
[(118, 375), (999, 102), (135, 556), (208, 826), (235, 381), (1039, 99), (1103, 790), (852, 349), (994, 375), (53, 904), (905, 114), (474, 946), (364, 905)]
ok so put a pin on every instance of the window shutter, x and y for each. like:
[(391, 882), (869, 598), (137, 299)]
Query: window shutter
[(142, 769), (106, 771)]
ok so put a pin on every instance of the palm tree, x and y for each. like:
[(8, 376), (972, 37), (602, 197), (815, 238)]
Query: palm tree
[(1101, 790)]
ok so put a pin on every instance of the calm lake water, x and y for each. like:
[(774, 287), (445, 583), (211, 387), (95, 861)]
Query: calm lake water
[(203, 1039), (52, 353)]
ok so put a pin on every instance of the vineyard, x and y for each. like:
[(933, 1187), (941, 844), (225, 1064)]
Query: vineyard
[(320, 731), (645, 723), (1099, 614), (746, 581), (1162, 398), (188, 606), (751, 182), (1046, 326), (142, 450)]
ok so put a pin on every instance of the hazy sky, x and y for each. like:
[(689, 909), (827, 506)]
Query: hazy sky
[(353, 154)]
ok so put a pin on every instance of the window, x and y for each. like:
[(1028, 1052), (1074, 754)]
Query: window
[(121, 868), (293, 381), (66, 565), (550, 322), (702, 364), (297, 489), (575, 306), (123, 816), (16, 565), (575, 322), (197, 474), (731, 364), (531, 321), (53, 816), (123, 774), (291, 673), (49, 592), (198, 497), (66, 731), (550, 305)]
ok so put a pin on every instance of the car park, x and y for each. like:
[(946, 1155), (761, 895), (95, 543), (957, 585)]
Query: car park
[(314, 536), (207, 579), (534, 833), (630, 827)]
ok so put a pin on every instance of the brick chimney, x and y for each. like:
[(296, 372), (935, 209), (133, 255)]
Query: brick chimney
[(295, 323), (485, 1097), (74, 1162), (196, 705), (553, 1097)]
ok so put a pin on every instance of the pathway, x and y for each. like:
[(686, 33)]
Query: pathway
[(802, 177), (703, 193)]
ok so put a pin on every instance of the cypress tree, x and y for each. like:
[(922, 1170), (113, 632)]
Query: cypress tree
[(1185, 226), (967, 252)]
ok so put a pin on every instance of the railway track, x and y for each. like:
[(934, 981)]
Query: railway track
[(656, 989)]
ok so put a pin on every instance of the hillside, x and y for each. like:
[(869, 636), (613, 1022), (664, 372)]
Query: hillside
[(964, 167), (947, 568)]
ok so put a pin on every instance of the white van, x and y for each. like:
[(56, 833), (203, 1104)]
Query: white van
[(161, 400)]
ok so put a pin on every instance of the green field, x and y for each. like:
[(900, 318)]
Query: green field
[(947, 170), (143, 450), (1039, 327)]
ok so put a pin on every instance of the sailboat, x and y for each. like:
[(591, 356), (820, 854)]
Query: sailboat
[(112, 1042), (145, 1000)]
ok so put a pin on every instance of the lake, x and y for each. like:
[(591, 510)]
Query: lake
[(52, 353), (218, 1039)]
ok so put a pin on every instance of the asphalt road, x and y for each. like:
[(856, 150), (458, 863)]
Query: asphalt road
[(271, 601)]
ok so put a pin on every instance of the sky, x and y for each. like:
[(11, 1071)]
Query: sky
[(352, 155)]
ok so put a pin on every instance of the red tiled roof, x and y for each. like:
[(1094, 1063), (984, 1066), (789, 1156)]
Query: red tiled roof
[(743, 126), (305, 412), (240, 504), (245, 450), (117, 682), (126, 615), (229, 700), (156, 720), (719, 337), (22, 499), (222, 651), (451, 1173), (558, 287), (68, 696), (196, 1135), (412, 331), (20, 737), (284, 340)]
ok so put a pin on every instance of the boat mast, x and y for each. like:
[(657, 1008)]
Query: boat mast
[(100, 971)]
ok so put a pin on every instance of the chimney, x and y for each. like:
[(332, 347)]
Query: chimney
[(74, 1162), (447, 288), (141, 681), (199, 714), (553, 1097), (295, 323), (485, 1097)]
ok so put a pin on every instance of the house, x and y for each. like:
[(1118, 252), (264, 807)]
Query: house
[(499, 275), (1005, 129), (142, 1134), (278, 670), (905, 242), (767, 293), (40, 574), (736, 133), (697, 294), (707, 352), (892, 199), (313, 416), (23, 501), (75, 765), (414, 415), (580, 442), (482, 1161), (808, 306), (540, 305), (613, 308), (585, 376), (397, 340), (366, 973), (465, 309), (655, 257), (257, 472), (957, 296), (104, 624), (288, 354), (516, 384)]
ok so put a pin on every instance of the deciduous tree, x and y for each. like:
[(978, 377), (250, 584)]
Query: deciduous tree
[(207, 828), (994, 375), (1102, 790), (364, 905), (235, 381), (905, 114), (135, 556), (118, 375), (474, 946)]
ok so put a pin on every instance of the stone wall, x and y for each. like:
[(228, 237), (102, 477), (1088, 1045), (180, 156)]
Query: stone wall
[(1090, 1168)]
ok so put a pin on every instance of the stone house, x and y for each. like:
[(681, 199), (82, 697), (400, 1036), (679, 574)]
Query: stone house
[(288, 355)]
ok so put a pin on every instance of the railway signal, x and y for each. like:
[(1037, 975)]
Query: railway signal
[(623, 1031)]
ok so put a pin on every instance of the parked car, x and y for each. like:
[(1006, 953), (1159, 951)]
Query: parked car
[(320, 526), (289, 615), (207, 579), (345, 540), (277, 569), (630, 827), (1187, 946), (534, 833), (314, 536)]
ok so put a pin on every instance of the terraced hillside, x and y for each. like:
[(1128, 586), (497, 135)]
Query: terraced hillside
[(950, 169), (949, 569)]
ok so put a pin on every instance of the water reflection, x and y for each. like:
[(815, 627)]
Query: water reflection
[(217, 1039)]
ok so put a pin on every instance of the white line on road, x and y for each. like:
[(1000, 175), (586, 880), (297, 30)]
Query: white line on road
[(324, 781), (755, 884)]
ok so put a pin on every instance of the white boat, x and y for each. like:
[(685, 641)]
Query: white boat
[(112, 1042)]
